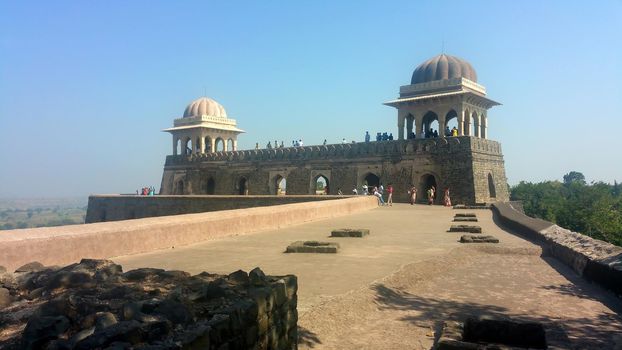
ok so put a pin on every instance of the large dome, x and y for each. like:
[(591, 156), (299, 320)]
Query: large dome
[(205, 106), (443, 67)]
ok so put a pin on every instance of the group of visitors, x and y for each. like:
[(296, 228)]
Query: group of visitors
[(378, 191), (431, 133), (295, 143), (431, 193), (146, 191), (384, 136)]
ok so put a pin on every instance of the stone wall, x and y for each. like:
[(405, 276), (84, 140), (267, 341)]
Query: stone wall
[(595, 260), (461, 163), (66, 244), (103, 208), (95, 305)]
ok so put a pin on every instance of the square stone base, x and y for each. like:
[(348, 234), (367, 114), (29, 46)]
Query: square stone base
[(463, 219), (465, 228), (478, 239), (349, 232), (312, 247)]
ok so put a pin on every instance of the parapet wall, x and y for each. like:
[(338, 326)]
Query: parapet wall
[(104, 208), (67, 244), (595, 260), (348, 150)]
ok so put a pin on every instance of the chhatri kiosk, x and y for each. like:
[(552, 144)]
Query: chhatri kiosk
[(443, 91), (204, 128)]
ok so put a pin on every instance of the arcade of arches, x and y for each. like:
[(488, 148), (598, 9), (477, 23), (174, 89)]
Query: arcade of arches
[(415, 122)]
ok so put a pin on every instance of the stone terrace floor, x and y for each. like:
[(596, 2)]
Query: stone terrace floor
[(393, 288)]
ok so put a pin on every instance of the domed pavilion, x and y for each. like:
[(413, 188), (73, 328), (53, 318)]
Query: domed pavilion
[(441, 89), (204, 128)]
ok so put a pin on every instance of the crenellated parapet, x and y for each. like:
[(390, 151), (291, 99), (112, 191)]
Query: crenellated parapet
[(351, 150)]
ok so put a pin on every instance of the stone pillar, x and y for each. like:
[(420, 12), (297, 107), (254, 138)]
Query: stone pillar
[(235, 145), (484, 126), (476, 126), (202, 145), (418, 124), (213, 141), (461, 122), (441, 124), (400, 125), (174, 145)]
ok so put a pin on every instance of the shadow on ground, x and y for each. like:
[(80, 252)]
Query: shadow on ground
[(582, 333), (307, 338)]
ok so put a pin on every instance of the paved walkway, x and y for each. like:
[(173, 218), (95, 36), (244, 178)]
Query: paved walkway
[(414, 262)]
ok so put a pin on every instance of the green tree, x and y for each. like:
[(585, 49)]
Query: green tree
[(574, 176)]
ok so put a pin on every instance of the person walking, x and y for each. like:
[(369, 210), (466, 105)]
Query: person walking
[(430, 194), (413, 194), (379, 196), (390, 192), (365, 190), (446, 198)]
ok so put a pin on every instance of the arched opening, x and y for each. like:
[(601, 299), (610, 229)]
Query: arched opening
[(210, 186), (491, 187), (430, 125), (220, 145), (243, 186), (230, 145), (197, 145), (321, 185), (371, 180), (451, 123), (474, 125), (178, 146), (410, 120), (188, 146), (280, 186), (208, 144), (427, 182), (179, 187)]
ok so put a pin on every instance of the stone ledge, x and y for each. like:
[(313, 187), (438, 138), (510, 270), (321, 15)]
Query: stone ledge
[(593, 259), (462, 219), (349, 232), (65, 244), (312, 247), (465, 215)]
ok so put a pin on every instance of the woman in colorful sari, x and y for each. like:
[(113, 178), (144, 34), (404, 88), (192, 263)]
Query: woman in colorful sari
[(446, 198)]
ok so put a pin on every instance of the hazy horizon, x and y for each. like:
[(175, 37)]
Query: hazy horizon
[(86, 88)]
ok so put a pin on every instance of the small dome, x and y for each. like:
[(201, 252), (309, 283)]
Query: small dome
[(443, 67), (205, 106)]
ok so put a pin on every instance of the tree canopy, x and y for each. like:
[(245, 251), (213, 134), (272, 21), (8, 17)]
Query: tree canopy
[(592, 209)]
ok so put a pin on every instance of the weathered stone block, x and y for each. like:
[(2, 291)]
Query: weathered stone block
[(478, 239), (462, 219), (350, 232), (465, 215), (312, 247), (465, 228)]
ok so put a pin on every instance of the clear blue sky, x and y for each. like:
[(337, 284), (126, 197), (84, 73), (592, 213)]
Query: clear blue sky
[(86, 86)]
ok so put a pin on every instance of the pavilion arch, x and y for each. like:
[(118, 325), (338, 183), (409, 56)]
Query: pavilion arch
[(178, 146), (429, 121), (370, 179), (220, 145), (426, 181), (491, 187), (229, 145), (197, 145), (208, 145), (280, 185), (474, 127), (320, 185), (187, 146), (242, 186), (451, 120), (410, 123)]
